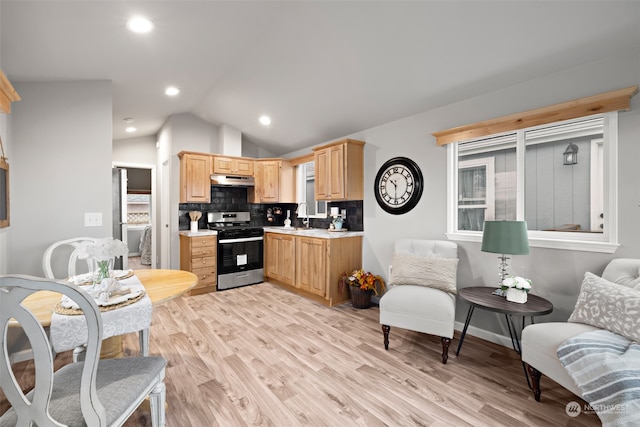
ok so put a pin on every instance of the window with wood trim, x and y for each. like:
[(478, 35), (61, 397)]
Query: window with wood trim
[(568, 203)]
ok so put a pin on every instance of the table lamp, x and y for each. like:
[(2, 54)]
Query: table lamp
[(505, 238)]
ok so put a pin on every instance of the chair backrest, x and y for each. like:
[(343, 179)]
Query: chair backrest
[(434, 248), (13, 291), (65, 250), (623, 271)]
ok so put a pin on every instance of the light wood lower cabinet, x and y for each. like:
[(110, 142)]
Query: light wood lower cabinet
[(311, 263), (279, 256), (315, 269), (198, 255)]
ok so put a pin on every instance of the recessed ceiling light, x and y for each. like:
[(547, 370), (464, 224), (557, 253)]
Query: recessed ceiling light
[(171, 91), (130, 129), (265, 120), (128, 120), (139, 24)]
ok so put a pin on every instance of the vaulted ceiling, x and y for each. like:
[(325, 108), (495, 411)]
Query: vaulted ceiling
[(320, 69)]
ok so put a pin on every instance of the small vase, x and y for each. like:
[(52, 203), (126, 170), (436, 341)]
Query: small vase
[(103, 271), (516, 295), (360, 298)]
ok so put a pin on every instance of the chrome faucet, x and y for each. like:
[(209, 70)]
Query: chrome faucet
[(305, 221)]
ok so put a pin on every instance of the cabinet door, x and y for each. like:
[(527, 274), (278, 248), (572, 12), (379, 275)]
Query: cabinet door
[(271, 255), (222, 165), (311, 258), (321, 160), (279, 257), (286, 259), (244, 167), (269, 181), (232, 166), (336, 172), (195, 178)]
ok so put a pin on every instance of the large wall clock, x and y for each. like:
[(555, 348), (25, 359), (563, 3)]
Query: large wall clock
[(398, 185)]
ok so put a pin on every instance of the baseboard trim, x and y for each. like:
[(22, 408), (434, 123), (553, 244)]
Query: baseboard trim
[(21, 356), (485, 335)]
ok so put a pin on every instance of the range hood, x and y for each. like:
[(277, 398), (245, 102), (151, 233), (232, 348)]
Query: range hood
[(232, 181)]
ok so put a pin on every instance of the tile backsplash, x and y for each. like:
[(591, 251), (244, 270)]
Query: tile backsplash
[(235, 199)]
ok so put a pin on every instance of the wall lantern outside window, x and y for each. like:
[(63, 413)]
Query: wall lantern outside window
[(571, 154)]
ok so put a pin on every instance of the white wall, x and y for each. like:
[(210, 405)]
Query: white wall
[(181, 132), (556, 274), (60, 167), (141, 150), (250, 149)]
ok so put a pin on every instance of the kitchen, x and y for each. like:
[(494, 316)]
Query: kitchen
[(246, 202)]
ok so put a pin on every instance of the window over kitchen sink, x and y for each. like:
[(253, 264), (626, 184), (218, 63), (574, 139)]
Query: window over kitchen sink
[(305, 189)]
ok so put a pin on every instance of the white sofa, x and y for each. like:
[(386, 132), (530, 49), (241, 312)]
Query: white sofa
[(540, 341)]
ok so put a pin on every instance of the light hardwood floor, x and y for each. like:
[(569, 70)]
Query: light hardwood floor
[(260, 355)]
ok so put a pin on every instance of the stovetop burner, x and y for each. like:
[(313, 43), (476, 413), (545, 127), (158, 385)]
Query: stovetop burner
[(232, 225)]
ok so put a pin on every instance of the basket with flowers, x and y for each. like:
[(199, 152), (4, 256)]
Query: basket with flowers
[(362, 284)]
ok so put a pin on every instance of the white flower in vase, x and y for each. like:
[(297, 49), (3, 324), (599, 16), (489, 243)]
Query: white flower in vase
[(516, 288), (103, 252)]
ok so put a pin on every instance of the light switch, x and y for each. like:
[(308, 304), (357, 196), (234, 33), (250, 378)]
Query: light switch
[(93, 219)]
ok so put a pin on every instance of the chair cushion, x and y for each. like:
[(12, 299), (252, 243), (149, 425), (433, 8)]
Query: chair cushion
[(120, 382), (419, 308), (540, 343), (433, 272), (609, 306)]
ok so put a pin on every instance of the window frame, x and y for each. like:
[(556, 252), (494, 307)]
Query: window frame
[(301, 194), (606, 242)]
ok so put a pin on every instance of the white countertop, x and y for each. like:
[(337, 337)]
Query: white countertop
[(314, 232), (201, 232)]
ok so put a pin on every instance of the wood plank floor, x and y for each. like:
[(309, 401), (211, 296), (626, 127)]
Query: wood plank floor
[(261, 356)]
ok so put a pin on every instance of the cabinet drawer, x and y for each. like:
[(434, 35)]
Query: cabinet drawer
[(202, 262), (203, 252), (206, 276), (201, 242)]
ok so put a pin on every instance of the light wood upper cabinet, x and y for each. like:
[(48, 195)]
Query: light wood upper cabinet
[(280, 257), (195, 177), (240, 166), (339, 168), (274, 182)]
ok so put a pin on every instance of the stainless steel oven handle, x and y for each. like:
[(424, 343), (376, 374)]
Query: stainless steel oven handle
[(246, 239)]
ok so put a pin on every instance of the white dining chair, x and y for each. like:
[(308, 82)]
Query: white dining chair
[(65, 250), (94, 392)]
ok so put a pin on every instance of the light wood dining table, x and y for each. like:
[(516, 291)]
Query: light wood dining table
[(161, 285)]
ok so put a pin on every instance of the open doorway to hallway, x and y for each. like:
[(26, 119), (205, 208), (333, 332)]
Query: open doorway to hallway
[(134, 223)]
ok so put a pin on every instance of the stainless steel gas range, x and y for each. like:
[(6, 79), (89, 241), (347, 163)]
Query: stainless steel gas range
[(240, 249)]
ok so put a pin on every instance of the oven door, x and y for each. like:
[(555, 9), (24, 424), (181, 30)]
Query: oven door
[(240, 254)]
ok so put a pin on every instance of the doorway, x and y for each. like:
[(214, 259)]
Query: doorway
[(134, 223)]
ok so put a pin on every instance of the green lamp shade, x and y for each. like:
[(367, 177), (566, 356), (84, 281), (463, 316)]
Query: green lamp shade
[(505, 237)]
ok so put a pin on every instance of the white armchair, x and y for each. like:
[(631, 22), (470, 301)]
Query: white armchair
[(419, 307)]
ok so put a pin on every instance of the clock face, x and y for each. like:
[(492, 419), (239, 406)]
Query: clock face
[(398, 185)]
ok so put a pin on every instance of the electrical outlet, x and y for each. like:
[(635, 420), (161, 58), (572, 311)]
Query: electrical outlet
[(93, 219)]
